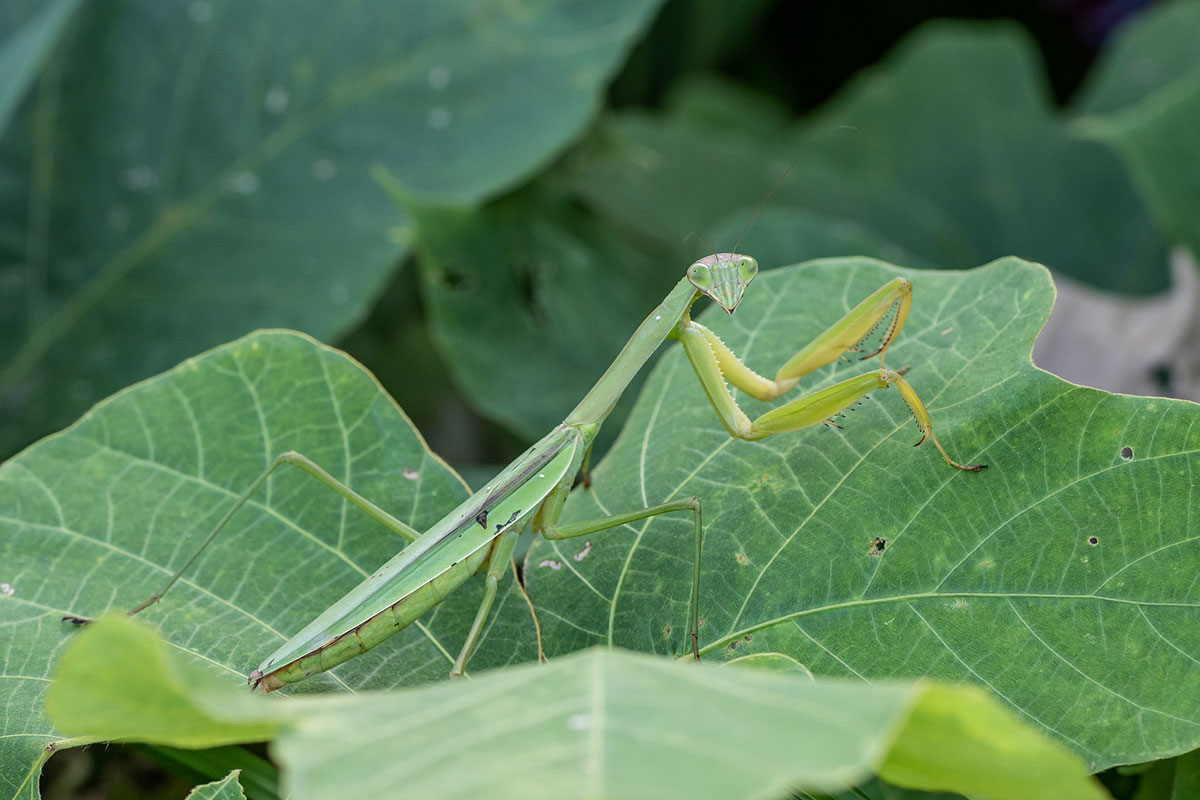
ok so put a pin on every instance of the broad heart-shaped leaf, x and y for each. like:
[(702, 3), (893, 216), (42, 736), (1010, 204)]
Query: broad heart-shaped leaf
[(190, 170), (956, 155), (1004, 167), (98, 516), (665, 177), (1062, 578), (604, 723)]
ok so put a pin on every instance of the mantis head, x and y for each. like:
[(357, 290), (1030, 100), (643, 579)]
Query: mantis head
[(723, 277)]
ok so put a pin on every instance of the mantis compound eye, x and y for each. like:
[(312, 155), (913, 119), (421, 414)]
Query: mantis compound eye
[(747, 268), (700, 276)]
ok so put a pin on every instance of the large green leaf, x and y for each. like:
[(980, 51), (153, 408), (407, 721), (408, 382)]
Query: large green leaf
[(189, 170), (955, 153), (98, 516), (1062, 578), (1144, 101), (599, 724), (961, 117), (1150, 53), (974, 583), (665, 177)]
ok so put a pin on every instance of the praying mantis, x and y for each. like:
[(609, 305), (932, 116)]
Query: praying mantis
[(530, 493)]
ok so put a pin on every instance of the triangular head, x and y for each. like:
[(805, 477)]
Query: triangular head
[(723, 277)]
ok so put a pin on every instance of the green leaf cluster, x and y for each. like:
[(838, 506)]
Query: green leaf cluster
[(176, 175), (600, 723)]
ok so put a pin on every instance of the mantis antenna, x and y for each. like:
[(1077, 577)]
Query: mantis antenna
[(786, 172)]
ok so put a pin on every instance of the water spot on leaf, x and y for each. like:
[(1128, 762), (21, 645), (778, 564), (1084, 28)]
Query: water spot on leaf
[(200, 11), (439, 77), (323, 169), (339, 294), (579, 722), (119, 218), (276, 100), (141, 178), (439, 118), (244, 183)]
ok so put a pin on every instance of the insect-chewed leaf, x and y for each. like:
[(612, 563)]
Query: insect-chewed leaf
[(1062, 578)]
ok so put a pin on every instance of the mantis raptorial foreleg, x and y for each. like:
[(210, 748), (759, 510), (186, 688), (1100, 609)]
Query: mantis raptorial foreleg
[(714, 364)]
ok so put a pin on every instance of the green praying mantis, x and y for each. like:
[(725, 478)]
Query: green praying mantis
[(529, 494)]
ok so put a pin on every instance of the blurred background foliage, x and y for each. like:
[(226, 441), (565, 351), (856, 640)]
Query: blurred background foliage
[(481, 199)]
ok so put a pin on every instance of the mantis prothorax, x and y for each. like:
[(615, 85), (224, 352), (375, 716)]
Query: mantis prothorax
[(530, 492)]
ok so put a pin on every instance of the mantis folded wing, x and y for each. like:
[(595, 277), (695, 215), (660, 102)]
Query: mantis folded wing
[(529, 493)]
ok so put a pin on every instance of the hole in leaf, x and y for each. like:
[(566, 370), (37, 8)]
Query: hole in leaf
[(1127, 453)]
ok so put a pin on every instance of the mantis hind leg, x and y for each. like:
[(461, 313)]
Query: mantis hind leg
[(501, 554), (305, 464), (885, 309)]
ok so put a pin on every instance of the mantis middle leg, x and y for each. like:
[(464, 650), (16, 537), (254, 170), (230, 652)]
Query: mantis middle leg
[(546, 523)]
